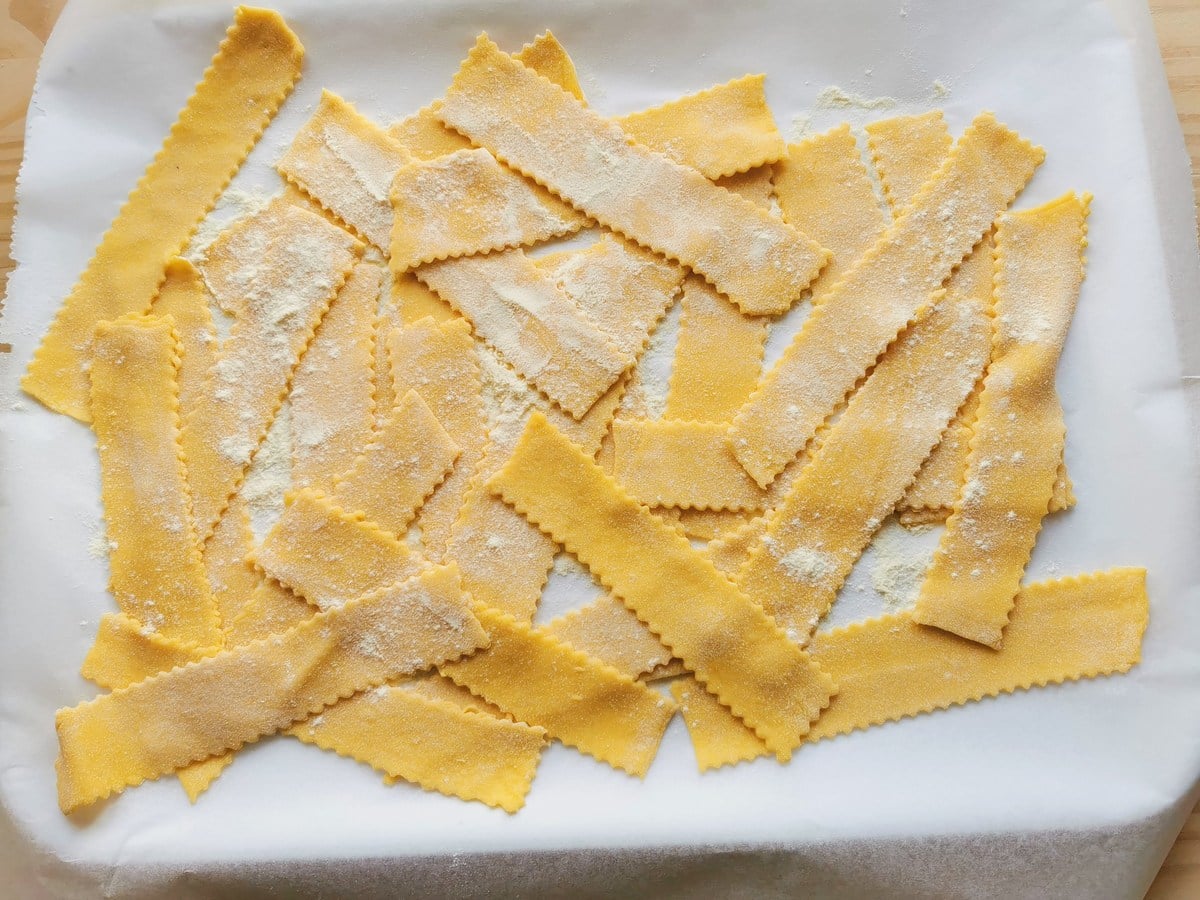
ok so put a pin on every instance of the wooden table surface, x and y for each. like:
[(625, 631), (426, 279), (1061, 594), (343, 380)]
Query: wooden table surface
[(25, 25)]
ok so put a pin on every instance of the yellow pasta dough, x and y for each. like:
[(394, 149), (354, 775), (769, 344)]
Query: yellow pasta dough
[(1016, 440), (253, 71)]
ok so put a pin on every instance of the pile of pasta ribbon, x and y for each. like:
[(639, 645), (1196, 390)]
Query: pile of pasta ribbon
[(462, 410)]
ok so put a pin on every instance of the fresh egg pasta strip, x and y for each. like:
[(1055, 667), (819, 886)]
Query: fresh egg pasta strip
[(866, 462), (329, 556), (824, 189), (724, 130), (467, 203), (890, 668), (686, 464), (333, 390), (608, 631), (880, 294), (346, 163), (718, 357), (231, 263), (738, 651), (578, 700), (253, 71), (440, 362), (906, 150), (709, 524), (184, 298), (405, 463), (1016, 444), (542, 131), (433, 744), (533, 324), (157, 571), (126, 652), (217, 704), (246, 386)]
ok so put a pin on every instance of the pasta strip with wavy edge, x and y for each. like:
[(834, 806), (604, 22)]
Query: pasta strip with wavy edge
[(612, 634), (346, 163), (890, 668), (157, 571), (467, 203), (708, 524), (737, 650), (756, 185), (405, 463), (721, 131), (504, 559), (222, 702), (184, 298), (579, 700), (247, 384), (126, 652), (718, 357), (880, 294), (687, 464), (433, 744), (249, 77), (906, 151), (542, 131), (441, 363), (1016, 443), (533, 324), (230, 264), (866, 462), (824, 189), (333, 390), (329, 556)]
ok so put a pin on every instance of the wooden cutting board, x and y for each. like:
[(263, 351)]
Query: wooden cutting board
[(25, 25)]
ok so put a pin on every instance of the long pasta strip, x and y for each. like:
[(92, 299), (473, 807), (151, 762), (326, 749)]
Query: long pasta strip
[(865, 464), (408, 459), (433, 744), (533, 324), (1016, 444), (125, 652), (333, 390), (880, 294), (346, 163), (230, 264), (467, 203), (612, 634), (890, 668), (718, 357), (824, 190), (157, 571), (220, 703), (329, 556), (246, 386), (230, 576), (545, 133), (687, 464), (724, 637), (580, 701), (440, 362), (253, 71), (184, 298)]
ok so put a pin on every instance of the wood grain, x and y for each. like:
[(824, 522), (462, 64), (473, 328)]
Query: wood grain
[(25, 25)]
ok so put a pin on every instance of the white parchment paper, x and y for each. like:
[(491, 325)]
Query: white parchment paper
[(1069, 791)]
